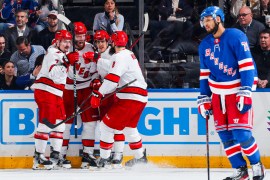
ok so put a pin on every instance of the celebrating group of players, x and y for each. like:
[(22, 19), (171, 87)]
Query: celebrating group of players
[(100, 69), (228, 75)]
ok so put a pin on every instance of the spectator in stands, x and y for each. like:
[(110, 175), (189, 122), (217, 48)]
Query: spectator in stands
[(24, 58), (110, 20), (21, 29), (173, 15), (8, 80), (4, 53), (265, 6), (249, 26), (261, 56), (46, 6), (9, 8), (26, 81), (47, 35)]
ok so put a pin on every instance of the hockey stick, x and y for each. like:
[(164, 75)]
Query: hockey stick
[(207, 147), (67, 22), (146, 23), (52, 126)]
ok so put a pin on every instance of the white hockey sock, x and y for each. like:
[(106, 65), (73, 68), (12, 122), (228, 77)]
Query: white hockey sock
[(106, 140), (66, 137), (88, 136)]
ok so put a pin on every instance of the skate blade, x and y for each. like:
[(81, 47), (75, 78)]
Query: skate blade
[(66, 166), (42, 167), (93, 168), (105, 168), (84, 165), (117, 166)]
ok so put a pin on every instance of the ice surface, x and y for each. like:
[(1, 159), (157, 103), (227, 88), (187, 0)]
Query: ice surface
[(146, 172)]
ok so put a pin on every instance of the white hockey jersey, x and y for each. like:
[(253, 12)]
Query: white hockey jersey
[(84, 72), (125, 68), (104, 63), (53, 74)]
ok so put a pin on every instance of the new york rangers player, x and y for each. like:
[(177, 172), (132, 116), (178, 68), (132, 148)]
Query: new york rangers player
[(124, 114), (49, 87), (227, 77)]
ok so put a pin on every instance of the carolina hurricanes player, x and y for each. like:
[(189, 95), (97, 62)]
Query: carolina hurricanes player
[(124, 114), (49, 87), (227, 76), (84, 74), (101, 39)]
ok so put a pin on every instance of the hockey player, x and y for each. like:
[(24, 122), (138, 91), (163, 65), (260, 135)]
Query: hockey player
[(49, 87), (101, 39), (125, 113), (228, 76), (84, 74)]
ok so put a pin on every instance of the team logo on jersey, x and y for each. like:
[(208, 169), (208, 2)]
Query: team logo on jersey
[(245, 45), (216, 41), (207, 52), (113, 64), (212, 56)]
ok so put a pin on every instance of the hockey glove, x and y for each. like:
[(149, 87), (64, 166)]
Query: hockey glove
[(91, 57), (204, 105), (72, 57), (95, 99), (95, 84), (243, 99)]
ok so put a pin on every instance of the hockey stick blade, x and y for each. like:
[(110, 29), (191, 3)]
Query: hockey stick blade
[(65, 20), (146, 23), (80, 111)]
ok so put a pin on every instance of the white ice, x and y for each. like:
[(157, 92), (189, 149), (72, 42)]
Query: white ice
[(148, 172)]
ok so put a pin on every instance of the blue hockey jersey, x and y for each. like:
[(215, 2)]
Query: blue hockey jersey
[(226, 63), (9, 8)]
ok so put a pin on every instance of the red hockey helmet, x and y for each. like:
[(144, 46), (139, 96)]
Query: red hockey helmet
[(63, 34), (79, 28), (119, 38), (101, 35)]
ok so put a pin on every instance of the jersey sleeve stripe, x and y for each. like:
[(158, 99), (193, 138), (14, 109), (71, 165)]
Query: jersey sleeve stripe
[(134, 90), (49, 82), (246, 66), (204, 75), (245, 61), (112, 77)]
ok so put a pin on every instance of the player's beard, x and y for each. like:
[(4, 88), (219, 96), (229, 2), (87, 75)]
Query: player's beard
[(214, 30), (112, 51), (79, 44)]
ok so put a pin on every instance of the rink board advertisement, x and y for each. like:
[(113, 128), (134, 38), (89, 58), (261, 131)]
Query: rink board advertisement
[(172, 130)]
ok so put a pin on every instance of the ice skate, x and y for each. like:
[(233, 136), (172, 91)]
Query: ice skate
[(142, 160), (41, 162), (88, 161), (258, 171), (240, 173), (117, 160), (103, 163), (59, 161)]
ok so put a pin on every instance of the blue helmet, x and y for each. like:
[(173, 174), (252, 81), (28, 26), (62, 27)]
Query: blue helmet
[(213, 11)]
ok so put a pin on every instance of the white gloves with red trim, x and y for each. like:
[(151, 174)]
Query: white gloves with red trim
[(204, 105), (243, 99)]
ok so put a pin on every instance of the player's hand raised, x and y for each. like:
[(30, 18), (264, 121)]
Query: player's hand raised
[(73, 57), (91, 57)]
